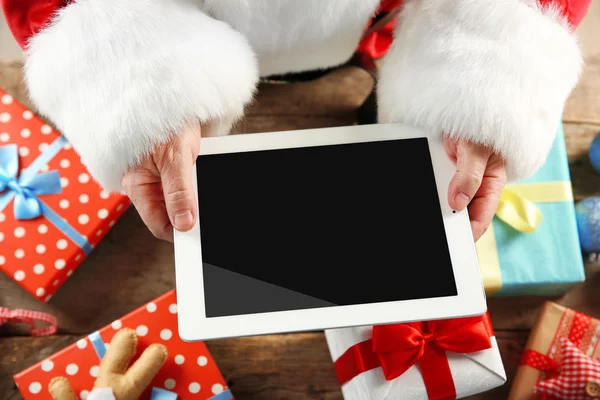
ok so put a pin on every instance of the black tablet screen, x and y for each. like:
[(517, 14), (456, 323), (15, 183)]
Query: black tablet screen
[(321, 226)]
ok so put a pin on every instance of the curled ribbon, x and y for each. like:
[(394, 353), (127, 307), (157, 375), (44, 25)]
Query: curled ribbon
[(26, 188), (396, 348), (30, 317)]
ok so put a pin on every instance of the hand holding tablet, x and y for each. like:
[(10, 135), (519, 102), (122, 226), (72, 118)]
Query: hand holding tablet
[(324, 228)]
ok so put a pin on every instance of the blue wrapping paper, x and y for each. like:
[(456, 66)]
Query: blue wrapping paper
[(548, 261)]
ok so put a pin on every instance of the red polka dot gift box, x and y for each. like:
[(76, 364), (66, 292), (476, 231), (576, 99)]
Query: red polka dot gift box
[(52, 214), (189, 372)]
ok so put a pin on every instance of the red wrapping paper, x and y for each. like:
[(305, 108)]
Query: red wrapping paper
[(35, 253), (189, 371)]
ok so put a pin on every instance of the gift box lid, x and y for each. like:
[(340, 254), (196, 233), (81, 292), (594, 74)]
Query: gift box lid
[(189, 371)]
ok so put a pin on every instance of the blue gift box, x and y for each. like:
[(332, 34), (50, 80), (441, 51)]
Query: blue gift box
[(547, 261)]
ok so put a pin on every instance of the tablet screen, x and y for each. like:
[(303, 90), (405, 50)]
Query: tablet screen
[(311, 227)]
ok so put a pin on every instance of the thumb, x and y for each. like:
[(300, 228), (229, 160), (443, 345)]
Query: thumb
[(176, 176), (471, 164)]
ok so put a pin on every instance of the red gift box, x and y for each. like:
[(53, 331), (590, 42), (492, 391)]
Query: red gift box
[(52, 213), (189, 372)]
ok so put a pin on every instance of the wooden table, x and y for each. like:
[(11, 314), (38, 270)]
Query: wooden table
[(133, 268)]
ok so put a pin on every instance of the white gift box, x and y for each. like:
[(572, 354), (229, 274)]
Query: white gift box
[(472, 372)]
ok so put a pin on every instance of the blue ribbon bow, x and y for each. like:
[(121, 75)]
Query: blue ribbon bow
[(27, 187)]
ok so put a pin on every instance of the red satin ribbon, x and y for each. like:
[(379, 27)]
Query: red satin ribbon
[(396, 348), (30, 317)]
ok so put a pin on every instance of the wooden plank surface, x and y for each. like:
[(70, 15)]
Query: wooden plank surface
[(134, 268)]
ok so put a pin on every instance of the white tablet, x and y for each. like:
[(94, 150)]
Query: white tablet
[(323, 228)]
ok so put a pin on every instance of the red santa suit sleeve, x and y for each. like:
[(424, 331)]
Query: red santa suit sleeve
[(160, 68), (493, 72)]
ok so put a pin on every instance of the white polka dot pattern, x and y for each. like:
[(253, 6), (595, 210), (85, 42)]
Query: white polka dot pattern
[(141, 330), (217, 388), (35, 387), (6, 99), (166, 334), (33, 247), (170, 384), (47, 365), (194, 387), (72, 369)]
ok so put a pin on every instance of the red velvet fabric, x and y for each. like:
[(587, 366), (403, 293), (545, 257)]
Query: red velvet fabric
[(25, 18), (574, 10)]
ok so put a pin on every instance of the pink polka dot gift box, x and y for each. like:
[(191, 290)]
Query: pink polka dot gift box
[(189, 372), (52, 214)]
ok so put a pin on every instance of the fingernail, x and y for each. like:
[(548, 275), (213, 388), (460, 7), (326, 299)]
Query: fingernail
[(461, 200), (183, 219)]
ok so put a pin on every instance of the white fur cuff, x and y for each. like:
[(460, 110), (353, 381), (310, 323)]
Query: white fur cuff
[(492, 72), (119, 77)]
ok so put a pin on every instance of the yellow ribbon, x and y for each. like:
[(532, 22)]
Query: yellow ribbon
[(517, 208)]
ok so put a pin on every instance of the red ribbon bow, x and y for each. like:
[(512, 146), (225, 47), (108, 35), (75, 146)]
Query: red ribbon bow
[(29, 317), (396, 348)]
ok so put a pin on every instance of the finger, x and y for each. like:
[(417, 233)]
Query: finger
[(141, 373), (119, 354), (484, 205), (148, 199), (176, 176), (471, 164), (61, 389)]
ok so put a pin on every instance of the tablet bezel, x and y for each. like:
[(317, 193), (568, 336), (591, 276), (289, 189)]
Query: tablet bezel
[(470, 301)]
